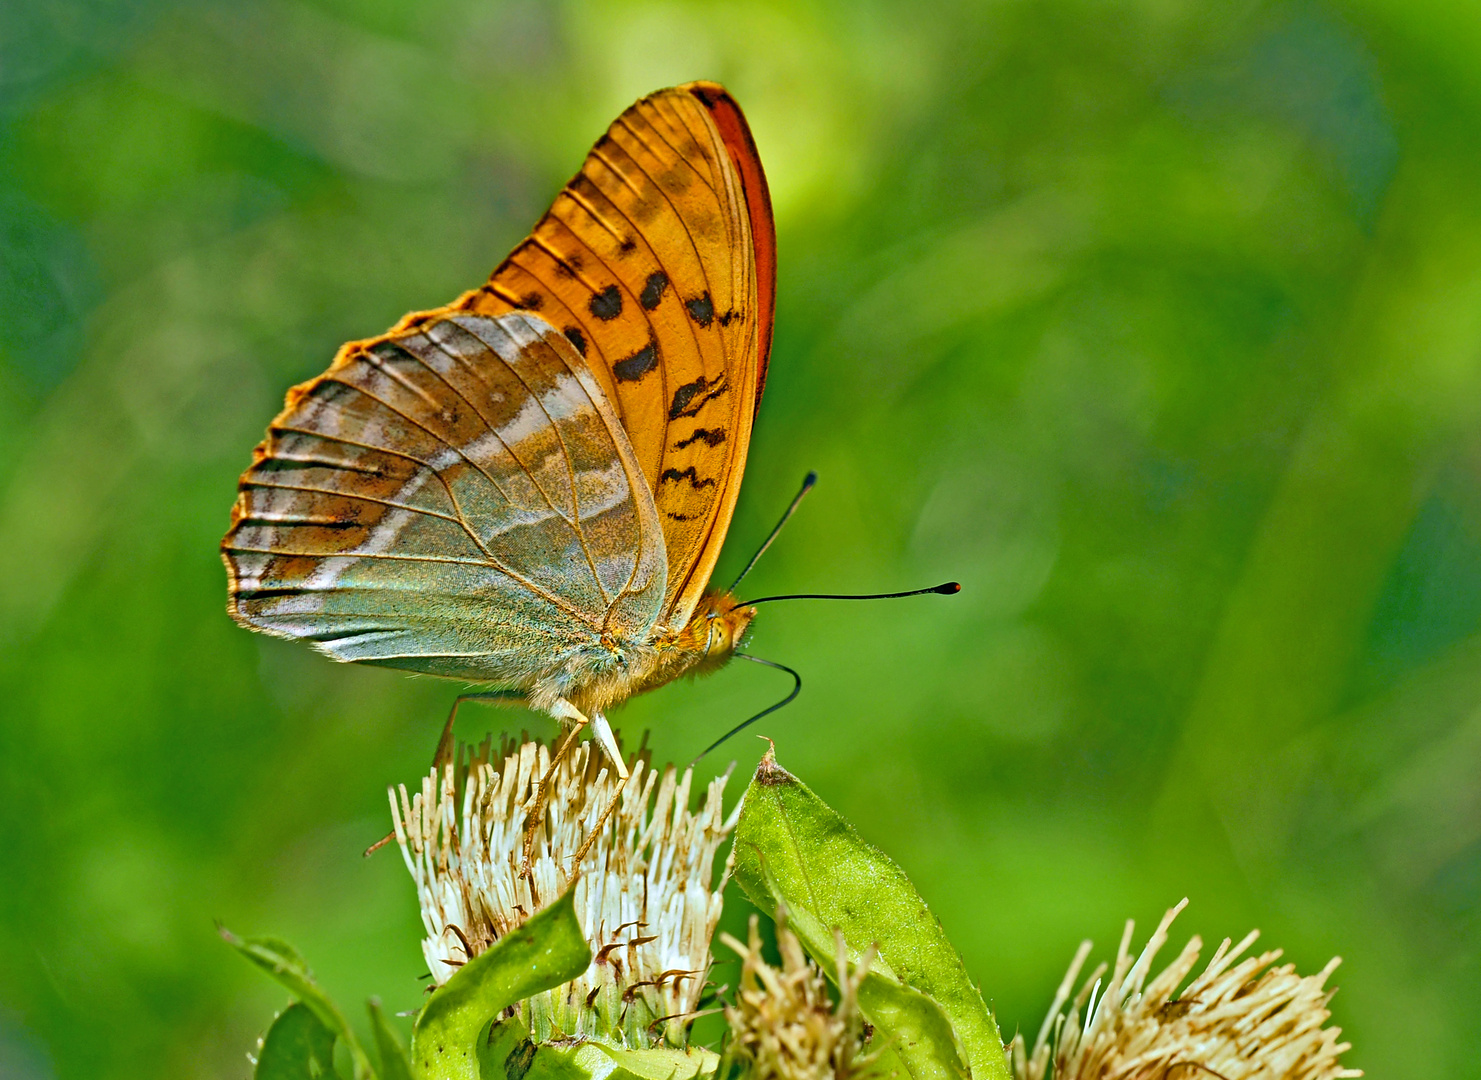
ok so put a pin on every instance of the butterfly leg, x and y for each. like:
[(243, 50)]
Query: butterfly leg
[(601, 824), (601, 732), (566, 713), (443, 755)]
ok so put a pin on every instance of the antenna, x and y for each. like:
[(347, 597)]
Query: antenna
[(796, 689), (946, 588), (807, 485)]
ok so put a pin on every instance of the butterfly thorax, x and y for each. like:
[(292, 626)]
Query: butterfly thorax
[(616, 669)]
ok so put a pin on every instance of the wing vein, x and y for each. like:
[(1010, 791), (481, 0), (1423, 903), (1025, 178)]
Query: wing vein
[(489, 426), (482, 472), (560, 260), (565, 453), (392, 556), (406, 384), (675, 150), (493, 286), (392, 503), (632, 483), (455, 449), (425, 465)]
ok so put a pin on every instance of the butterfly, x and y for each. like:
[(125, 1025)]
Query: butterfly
[(530, 486)]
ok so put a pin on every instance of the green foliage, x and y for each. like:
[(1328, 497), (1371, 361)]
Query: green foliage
[(793, 850), (446, 1038), (394, 1064), (283, 963), (914, 1035), (297, 1047), (544, 952)]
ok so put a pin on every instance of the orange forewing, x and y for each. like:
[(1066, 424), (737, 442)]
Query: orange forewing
[(658, 262)]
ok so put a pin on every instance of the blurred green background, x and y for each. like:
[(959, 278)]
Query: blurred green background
[(1158, 324)]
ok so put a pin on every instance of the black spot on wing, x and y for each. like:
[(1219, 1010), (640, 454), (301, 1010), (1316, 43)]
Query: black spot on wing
[(532, 301), (704, 435), (701, 309), (638, 364), (576, 338), (692, 396), (684, 395), (607, 304), (687, 474), (653, 290)]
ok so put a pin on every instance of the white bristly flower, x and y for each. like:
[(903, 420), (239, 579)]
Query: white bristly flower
[(646, 894), (1238, 1020)]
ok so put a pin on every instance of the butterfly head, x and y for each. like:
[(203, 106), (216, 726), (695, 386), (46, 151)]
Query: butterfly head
[(716, 628)]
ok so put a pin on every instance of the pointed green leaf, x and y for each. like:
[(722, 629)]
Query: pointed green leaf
[(394, 1063), (793, 849), (283, 963), (298, 1047), (546, 951)]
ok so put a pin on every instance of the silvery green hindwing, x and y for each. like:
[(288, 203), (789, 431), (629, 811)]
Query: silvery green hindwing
[(578, 946)]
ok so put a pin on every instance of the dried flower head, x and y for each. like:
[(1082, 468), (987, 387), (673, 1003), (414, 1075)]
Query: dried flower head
[(645, 890), (1236, 1021), (783, 1024)]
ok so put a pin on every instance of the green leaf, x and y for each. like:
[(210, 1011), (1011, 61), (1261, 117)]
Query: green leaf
[(508, 1054), (658, 1063), (546, 951), (793, 849), (919, 1033), (394, 1063), (283, 963), (298, 1047)]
